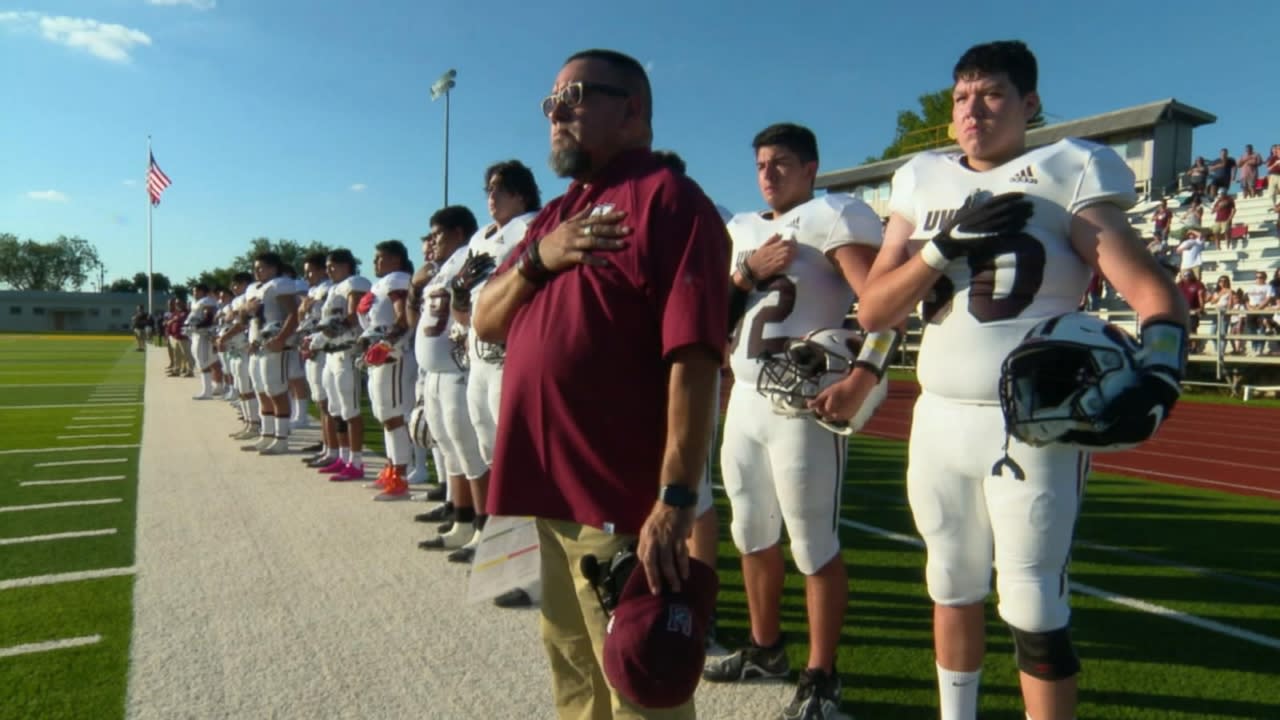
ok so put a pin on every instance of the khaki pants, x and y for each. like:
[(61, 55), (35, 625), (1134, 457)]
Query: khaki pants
[(1273, 186), (573, 627)]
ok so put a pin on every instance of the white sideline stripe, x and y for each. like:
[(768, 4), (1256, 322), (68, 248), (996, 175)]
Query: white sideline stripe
[(1124, 600), (51, 506), (61, 463), (92, 385), (98, 426), (62, 406), (74, 481), (91, 418), (66, 577), (1188, 478), (68, 448), (57, 536), (51, 645), (90, 435)]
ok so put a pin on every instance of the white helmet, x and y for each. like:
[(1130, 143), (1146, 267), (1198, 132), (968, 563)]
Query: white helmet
[(270, 331), (458, 347), (810, 365), (418, 430), (495, 353), (1055, 386)]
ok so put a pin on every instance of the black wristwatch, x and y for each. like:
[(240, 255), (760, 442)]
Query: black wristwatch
[(678, 496)]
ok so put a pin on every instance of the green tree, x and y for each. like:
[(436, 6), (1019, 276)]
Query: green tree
[(159, 282), (122, 285), (62, 264), (927, 129)]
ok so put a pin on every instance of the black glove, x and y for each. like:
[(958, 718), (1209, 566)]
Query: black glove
[(974, 225), (1137, 412), (474, 270)]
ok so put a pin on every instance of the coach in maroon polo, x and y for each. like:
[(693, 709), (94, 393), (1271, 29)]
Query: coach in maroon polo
[(614, 312)]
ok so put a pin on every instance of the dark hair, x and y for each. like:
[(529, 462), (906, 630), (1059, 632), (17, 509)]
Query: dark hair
[(242, 277), (671, 161), (315, 260), (796, 138), (516, 179), (1010, 57), (201, 287), (219, 290), (343, 256), (397, 249), (632, 73), (271, 259), (454, 217), (290, 272)]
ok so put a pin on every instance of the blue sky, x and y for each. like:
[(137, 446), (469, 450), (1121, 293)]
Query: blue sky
[(312, 119)]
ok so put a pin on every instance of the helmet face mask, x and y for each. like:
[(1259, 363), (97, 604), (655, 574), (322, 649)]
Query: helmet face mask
[(807, 367), (494, 353), (1062, 377)]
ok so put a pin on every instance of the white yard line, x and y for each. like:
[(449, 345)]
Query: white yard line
[(73, 481), (57, 536), (51, 506), (92, 385), (66, 577), (67, 448), (98, 426), (1142, 472), (61, 463), (93, 418), (49, 646), (64, 405), (85, 436)]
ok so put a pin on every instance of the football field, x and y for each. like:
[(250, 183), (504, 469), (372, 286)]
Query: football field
[(1176, 590)]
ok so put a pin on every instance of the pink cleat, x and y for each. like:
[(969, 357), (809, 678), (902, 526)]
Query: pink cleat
[(333, 468), (350, 472)]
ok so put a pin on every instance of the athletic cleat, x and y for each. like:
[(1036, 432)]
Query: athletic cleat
[(262, 443), (314, 449), (279, 446), (335, 467), (202, 397), (463, 555), (817, 698), (348, 472), (320, 461), (457, 537), (750, 663), (439, 513), (516, 598), (395, 489), (437, 494)]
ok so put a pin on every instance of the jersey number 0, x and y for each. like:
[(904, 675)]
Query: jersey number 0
[(985, 276)]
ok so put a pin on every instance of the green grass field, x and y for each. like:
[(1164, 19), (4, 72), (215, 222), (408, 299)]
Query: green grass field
[(1162, 554)]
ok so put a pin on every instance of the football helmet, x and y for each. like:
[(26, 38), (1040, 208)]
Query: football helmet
[(308, 326), (1061, 379), (458, 347), (269, 332), (494, 353), (810, 365), (418, 430)]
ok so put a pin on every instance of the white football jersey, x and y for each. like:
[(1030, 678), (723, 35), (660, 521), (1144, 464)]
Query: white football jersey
[(336, 302), (984, 304), (206, 306), (254, 292), (317, 295), (432, 344), (813, 294), (499, 244), (271, 292), (383, 311), (302, 286)]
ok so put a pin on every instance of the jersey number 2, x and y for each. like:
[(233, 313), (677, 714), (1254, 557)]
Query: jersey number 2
[(438, 310), (985, 276), (784, 290)]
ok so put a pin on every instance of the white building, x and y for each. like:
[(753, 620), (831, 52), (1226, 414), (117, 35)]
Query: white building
[(39, 311)]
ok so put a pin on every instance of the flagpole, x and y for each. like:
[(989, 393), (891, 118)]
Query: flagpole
[(150, 274)]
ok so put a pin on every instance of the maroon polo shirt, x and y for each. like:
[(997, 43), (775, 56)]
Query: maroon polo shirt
[(583, 422)]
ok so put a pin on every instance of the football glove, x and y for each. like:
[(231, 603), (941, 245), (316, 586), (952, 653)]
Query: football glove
[(1138, 411), (974, 226), (378, 353), (474, 270)]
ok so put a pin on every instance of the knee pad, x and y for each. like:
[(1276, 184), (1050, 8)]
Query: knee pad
[(1045, 655)]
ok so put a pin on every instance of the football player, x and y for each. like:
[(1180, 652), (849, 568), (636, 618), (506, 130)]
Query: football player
[(339, 326), (798, 265), (199, 327), (272, 305), (991, 240), (392, 368), (309, 314), (299, 392), (234, 341), (440, 345)]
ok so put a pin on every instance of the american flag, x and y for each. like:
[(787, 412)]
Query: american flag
[(157, 181)]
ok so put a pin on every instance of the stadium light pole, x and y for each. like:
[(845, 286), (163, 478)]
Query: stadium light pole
[(440, 88)]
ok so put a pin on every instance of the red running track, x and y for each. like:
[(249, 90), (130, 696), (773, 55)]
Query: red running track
[(1222, 447)]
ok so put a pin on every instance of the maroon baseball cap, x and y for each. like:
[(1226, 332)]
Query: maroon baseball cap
[(656, 644)]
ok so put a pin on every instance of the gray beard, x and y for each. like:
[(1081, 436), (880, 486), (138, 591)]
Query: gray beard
[(570, 162)]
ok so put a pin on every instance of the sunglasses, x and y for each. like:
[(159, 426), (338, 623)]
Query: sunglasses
[(574, 93)]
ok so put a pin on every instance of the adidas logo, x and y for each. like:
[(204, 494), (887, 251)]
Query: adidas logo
[(1025, 176)]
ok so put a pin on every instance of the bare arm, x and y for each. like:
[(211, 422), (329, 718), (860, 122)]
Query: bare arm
[(352, 318), (897, 281), (1101, 235)]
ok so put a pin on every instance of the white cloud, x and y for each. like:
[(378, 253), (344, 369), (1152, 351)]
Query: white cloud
[(48, 196), (358, 187), (197, 4), (108, 41)]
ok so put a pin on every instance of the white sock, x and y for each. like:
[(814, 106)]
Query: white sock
[(399, 445), (438, 460), (206, 383), (300, 410), (268, 425), (355, 458), (254, 415), (344, 454), (420, 461), (958, 692), (282, 427)]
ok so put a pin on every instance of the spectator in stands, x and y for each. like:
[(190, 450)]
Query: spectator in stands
[(1217, 303), (1190, 252), (1193, 218), (1273, 176), (1197, 174), (1258, 296), (1249, 163), (1222, 172), (1193, 291), (1239, 321), (1224, 211), (1162, 219)]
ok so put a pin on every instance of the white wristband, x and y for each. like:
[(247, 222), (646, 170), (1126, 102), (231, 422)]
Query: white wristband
[(877, 351), (933, 257)]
